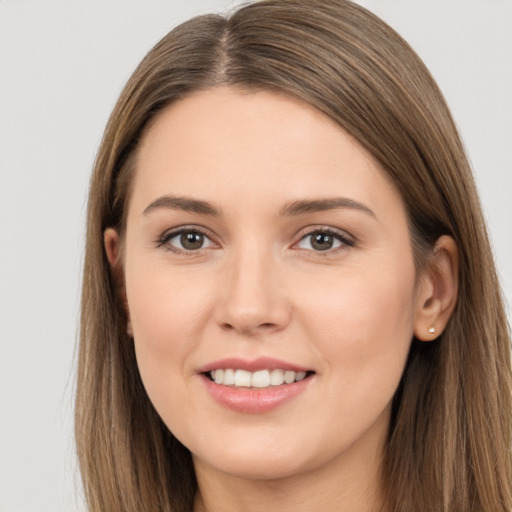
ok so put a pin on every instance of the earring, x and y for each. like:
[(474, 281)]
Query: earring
[(432, 330)]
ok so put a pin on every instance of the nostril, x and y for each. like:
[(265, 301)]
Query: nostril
[(226, 326)]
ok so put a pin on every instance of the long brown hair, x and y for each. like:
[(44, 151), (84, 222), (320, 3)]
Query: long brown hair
[(449, 446)]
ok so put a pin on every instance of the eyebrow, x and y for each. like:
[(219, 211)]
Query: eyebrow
[(291, 209), (183, 203), (321, 205)]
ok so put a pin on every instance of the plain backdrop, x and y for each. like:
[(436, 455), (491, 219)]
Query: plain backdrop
[(63, 64)]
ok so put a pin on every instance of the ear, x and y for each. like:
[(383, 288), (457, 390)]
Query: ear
[(438, 288), (112, 245)]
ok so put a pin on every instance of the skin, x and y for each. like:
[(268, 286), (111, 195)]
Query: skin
[(258, 287)]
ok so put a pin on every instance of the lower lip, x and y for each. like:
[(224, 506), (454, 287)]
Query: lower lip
[(251, 400)]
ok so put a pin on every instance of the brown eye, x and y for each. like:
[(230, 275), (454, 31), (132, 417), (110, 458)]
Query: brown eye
[(322, 241), (191, 240), (185, 240)]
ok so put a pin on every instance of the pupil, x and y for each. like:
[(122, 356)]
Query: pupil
[(322, 241), (192, 241)]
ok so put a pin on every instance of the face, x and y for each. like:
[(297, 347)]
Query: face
[(270, 284)]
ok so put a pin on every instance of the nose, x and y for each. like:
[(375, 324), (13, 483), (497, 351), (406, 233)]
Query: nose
[(252, 298)]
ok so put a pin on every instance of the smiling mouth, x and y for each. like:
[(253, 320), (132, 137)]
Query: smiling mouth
[(237, 378)]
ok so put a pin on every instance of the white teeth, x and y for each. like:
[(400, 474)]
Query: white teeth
[(242, 378), (229, 377), (259, 379), (298, 377), (289, 377), (276, 377)]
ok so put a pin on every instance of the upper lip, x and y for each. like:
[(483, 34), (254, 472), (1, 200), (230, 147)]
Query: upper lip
[(253, 365)]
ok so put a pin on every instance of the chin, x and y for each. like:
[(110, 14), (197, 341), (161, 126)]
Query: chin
[(261, 459), (254, 467)]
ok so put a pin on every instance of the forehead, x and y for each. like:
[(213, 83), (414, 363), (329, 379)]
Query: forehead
[(259, 148)]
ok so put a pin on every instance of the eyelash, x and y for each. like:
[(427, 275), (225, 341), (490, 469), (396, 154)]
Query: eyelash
[(342, 237), (345, 241), (165, 238)]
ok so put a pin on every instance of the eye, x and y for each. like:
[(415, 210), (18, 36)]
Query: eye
[(322, 240), (185, 240)]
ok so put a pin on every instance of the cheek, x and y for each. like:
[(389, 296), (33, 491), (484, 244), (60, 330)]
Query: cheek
[(361, 324), (363, 321), (163, 300), (166, 312)]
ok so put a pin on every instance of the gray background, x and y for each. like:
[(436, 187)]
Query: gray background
[(63, 64)]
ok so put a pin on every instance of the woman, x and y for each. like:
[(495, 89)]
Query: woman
[(289, 296)]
